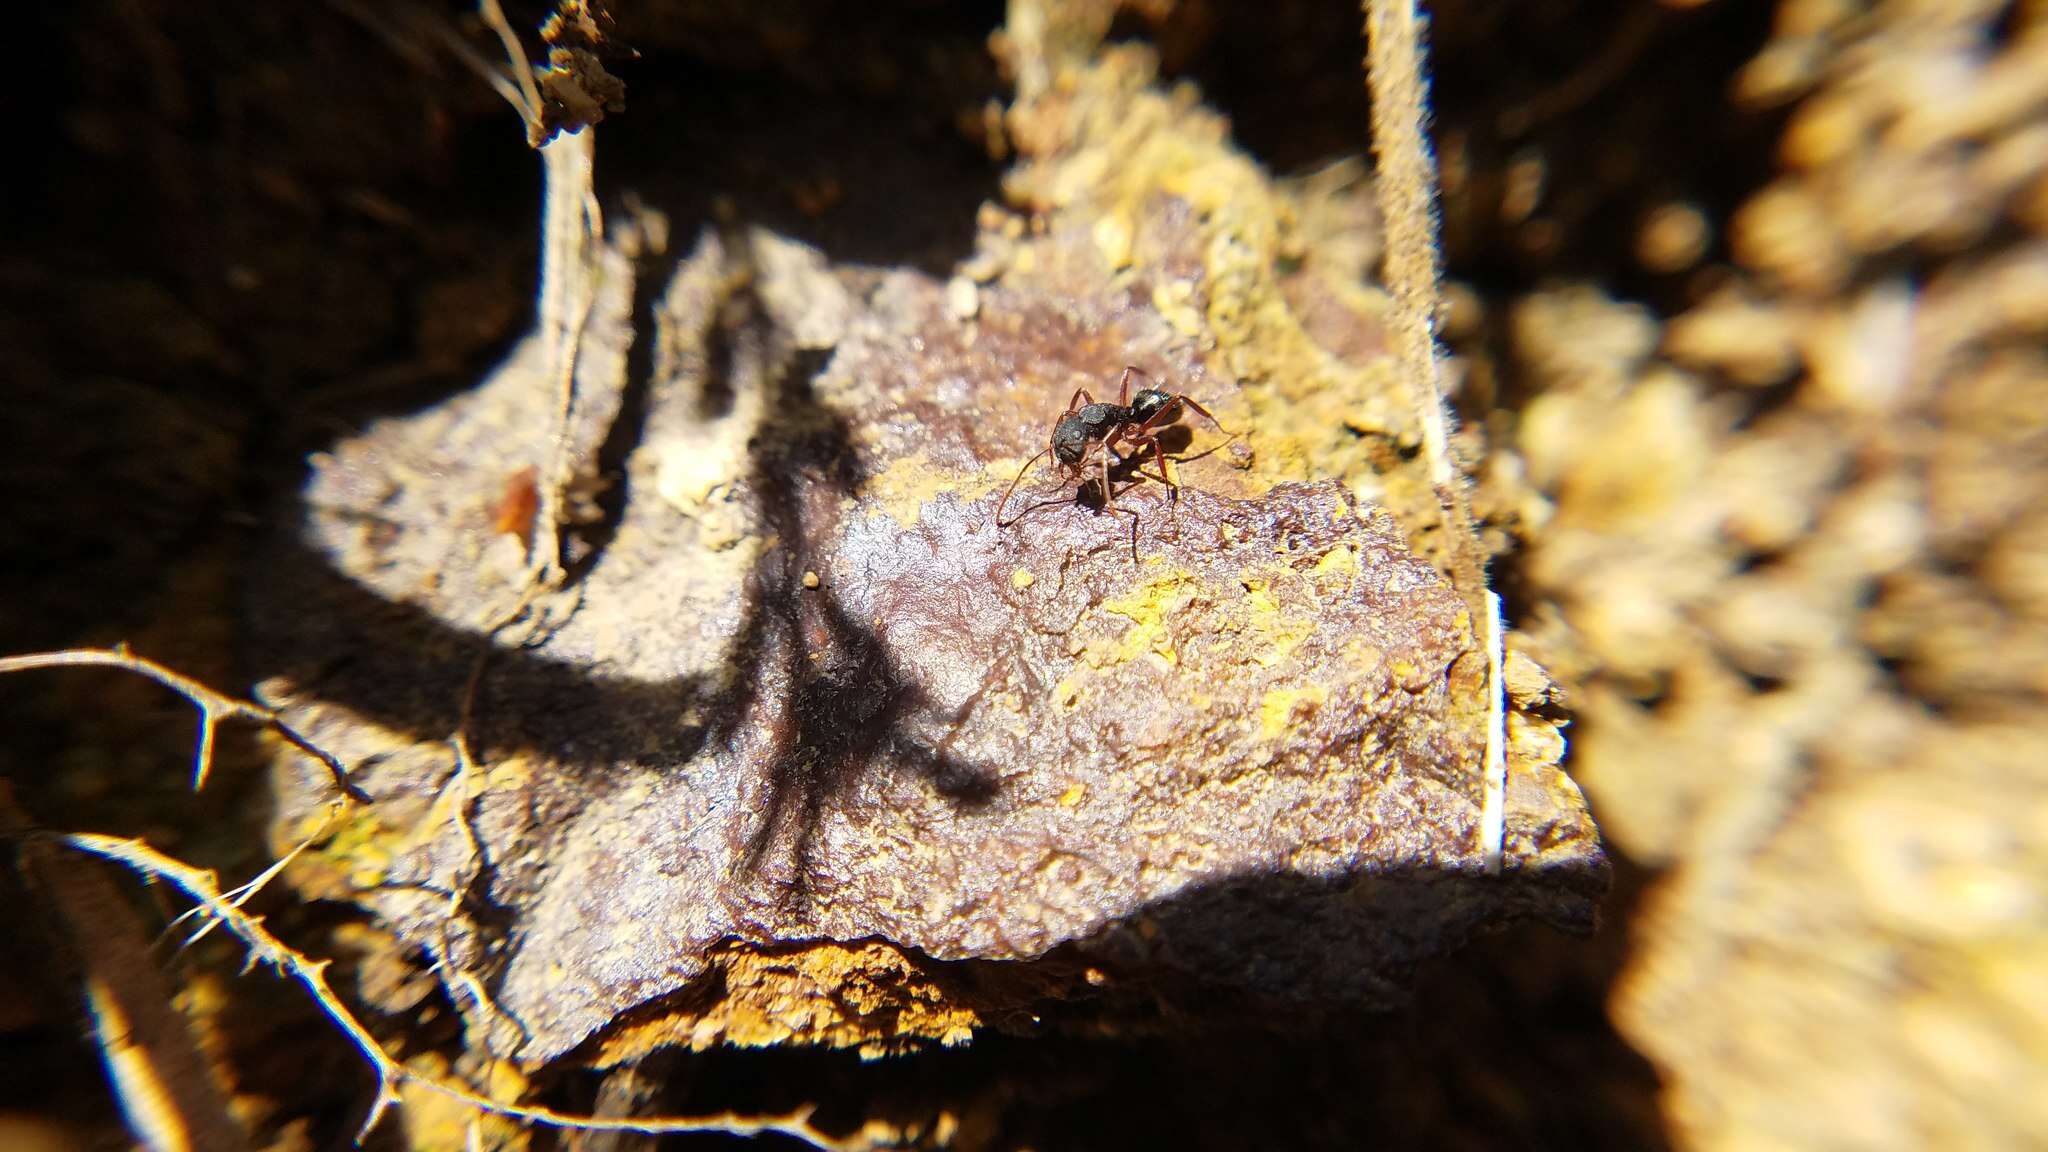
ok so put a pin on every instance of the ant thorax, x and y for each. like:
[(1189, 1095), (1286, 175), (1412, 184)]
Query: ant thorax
[(1100, 418)]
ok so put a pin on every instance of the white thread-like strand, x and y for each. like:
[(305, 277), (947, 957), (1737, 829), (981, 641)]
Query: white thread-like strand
[(1493, 818)]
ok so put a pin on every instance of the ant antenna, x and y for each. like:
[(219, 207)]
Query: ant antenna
[(1011, 490)]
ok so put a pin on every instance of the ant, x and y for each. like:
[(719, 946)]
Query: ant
[(1133, 421)]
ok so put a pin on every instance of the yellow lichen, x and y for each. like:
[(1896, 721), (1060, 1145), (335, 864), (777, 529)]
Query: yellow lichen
[(908, 484), (505, 1081), (1067, 691), (362, 848), (1362, 654), (1113, 237), (512, 772), (1341, 560), (435, 1120), (1280, 707), (1266, 255), (1274, 632), (1149, 608)]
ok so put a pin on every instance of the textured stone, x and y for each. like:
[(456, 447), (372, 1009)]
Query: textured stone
[(975, 776)]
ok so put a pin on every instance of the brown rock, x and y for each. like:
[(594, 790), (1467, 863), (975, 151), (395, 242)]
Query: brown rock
[(975, 775)]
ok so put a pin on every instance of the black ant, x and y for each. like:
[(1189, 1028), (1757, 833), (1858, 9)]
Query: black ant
[(1133, 420)]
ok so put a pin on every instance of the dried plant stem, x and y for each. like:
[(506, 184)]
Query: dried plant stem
[(311, 974), (463, 786), (571, 228), (1634, 27), (528, 103), (224, 909), (399, 41), (1406, 187), (213, 707)]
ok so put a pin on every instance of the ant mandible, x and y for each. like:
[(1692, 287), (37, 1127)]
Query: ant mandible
[(1135, 421)]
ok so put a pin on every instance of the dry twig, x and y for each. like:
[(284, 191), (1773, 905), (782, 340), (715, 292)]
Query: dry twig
[(201, 886), (1406, 188), (213, 707), (528, 102), (571, 228), (225, 909)]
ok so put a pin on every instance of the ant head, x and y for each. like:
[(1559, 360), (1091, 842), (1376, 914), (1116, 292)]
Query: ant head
[(1070, 441), (1148, 402)]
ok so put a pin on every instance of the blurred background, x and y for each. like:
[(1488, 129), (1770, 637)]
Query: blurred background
[(1746, 305)]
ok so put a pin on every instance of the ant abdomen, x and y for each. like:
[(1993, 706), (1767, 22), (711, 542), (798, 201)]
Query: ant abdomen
[(1148, 403)]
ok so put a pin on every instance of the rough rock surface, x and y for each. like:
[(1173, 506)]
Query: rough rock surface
[(812, 750)]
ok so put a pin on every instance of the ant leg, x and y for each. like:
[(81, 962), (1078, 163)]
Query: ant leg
[(1144, 438), (1073, 406), (1109, 504), (1206, 414), (1144, 378), (1123, 391), (1139, 436), (1171, 412), (1172, 498)]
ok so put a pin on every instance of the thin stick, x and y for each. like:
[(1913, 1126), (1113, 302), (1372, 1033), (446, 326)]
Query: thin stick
[(388, 34), (243, 893), (213, 707), (1406, 189), (569, 230), (466, 772), (529, 104), (571, 224), (225, 909), (391, 1074), (500, 83)]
